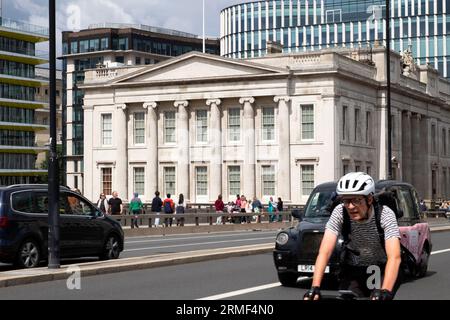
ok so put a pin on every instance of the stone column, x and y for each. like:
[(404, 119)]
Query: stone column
[(284, 155), (120, 181), (88, 181), (406, 147), (216, 149), (417, 152), (182, 128), (151, 174), (249, 172)]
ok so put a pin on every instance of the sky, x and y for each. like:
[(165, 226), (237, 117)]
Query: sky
[(183, 15)]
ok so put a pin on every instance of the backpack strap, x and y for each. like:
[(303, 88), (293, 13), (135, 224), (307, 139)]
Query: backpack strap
[(346, 226), (378, 209)]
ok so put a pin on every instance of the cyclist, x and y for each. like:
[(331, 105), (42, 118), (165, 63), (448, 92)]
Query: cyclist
[(363, 247)]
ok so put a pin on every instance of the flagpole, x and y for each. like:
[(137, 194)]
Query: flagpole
[(204, 46)]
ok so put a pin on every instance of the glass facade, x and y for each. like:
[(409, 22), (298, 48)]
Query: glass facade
[(17, 140), (307, 25)]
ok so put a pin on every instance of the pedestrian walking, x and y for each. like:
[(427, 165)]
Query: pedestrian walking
[(219, 206), (168, 206), (156, 206), (271, 207), (115, 204), (102, 204), (180, 209), (135, 209), (280, 210), (257, 208)]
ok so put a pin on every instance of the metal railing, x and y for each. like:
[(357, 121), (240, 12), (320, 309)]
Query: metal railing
[(24, 27)]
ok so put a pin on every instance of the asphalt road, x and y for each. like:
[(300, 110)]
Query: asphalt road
[(247, 278)]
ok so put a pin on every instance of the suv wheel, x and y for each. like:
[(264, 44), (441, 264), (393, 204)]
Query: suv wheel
[(288, 279), (29, 254), (111, 248), (423, 265)]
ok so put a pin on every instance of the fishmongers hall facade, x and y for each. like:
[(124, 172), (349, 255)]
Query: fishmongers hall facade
[(278, 125)]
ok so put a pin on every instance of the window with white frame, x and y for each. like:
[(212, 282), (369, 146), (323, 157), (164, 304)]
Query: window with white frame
[(307, 174), (169, 126), (345, 169), (268, 124), (202, 125), (169, 180), (139, 128), (139, 180), (106, 129), (106, 180), (234, 124), (234, 180), (268, 180), (201, 178), (307, 122)]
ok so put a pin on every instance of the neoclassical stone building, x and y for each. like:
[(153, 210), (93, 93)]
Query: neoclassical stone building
[(278, 125)]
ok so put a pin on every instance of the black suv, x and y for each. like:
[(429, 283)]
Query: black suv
[(297, 247), (84, 230)]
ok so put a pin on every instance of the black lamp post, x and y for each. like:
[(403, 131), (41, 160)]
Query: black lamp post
[(388, 84), (53, 174)]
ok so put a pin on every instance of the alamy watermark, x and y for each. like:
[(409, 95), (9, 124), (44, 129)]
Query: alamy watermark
[(74, 280)]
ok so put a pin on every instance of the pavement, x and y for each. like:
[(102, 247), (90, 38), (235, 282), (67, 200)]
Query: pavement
[(27, 276)]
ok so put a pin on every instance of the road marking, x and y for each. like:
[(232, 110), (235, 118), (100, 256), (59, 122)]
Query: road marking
[(189, 238), (206, 234), (194, 244), (440, 251), (240, 292)]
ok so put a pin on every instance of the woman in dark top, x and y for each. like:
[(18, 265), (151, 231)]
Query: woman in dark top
[(280, 209)]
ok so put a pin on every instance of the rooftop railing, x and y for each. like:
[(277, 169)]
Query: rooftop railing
[(24, 27)]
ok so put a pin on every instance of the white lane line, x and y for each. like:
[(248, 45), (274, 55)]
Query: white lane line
[(189, 238), (194, 244), (440, 251), (206, 234), (240, 292)]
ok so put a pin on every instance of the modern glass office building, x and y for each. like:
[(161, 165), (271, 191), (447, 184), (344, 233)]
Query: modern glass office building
[(18, 83), (306, 25)]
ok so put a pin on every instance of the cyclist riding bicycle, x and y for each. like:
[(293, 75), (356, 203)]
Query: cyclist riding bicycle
[(362, 249)]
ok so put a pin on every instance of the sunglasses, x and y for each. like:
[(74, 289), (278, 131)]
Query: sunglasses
[(354, 201)]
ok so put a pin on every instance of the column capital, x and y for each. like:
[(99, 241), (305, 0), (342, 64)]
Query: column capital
[(217, 102), (281, 98), (122, 106), (408, 114), (182, 103), (251, 100), (152, 105)]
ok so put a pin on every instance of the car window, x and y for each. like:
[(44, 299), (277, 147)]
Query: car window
[(41, 202), (318, 205), (22, 201), (416, 203), (405, 202), (79, 206)]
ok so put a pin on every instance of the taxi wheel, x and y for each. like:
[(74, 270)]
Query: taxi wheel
[(288, 279), (423, 265)]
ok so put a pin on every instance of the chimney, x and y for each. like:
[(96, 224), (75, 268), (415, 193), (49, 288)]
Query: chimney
[(274, 47)]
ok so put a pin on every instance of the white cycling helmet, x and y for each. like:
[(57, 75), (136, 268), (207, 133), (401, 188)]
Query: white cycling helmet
[(355, 183)]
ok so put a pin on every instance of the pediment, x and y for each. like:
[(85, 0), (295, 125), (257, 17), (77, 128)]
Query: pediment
[(196, 66)]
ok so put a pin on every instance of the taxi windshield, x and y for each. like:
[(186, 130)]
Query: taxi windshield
[(319, 204)]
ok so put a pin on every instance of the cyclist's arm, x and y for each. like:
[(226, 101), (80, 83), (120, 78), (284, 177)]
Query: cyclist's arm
[(326, 249), (393, 263)]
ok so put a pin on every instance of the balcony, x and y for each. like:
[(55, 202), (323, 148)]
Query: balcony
[(18, 149), (22, 126), (23, 31)]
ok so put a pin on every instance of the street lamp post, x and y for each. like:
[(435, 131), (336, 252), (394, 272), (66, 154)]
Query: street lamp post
[(388, 85), (53, 174), (204, 44)]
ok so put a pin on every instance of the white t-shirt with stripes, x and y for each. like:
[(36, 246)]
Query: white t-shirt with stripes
[(364, 236)]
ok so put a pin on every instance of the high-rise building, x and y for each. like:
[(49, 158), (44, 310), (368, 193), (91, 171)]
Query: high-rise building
[(111, 45), (18, 104), (308, 25)]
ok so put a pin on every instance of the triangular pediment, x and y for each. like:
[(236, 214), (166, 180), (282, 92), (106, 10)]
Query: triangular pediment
[(195, 66)]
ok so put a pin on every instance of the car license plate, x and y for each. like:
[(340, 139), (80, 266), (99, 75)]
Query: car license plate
[(310, 268)]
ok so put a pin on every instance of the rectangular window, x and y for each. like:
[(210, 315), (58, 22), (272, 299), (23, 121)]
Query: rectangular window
[(202, 126), (169, 126), (107, 129), (307, 122), (234, 124), (357, 125), (268, 124), (433, 138), (344, 122), (139, 128), (107, 180), (201, 178), (268, 180), (169, 180), (139, 180), (444, 142), (345, 169), (234, 180), (368, 128), (307, 175)]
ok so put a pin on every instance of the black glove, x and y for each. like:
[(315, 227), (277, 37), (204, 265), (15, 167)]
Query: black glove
[(381, 294), (311, 293)]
